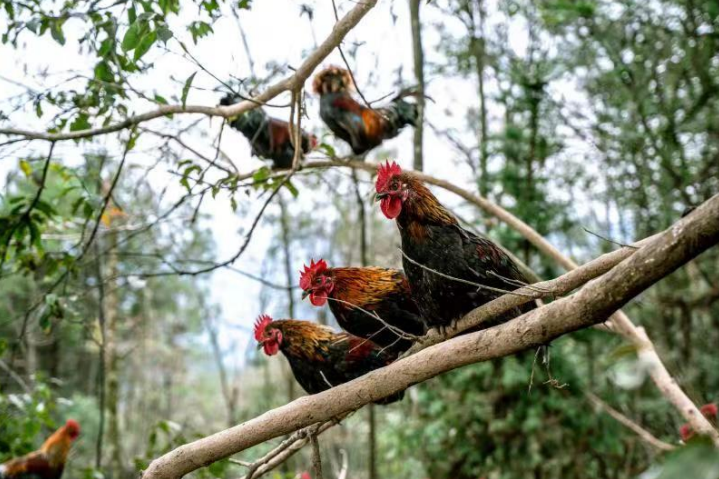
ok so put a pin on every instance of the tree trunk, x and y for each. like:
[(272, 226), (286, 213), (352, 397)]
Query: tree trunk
[(112, 370), (371, 422), (286, 244), (418, 54), (477, 49)]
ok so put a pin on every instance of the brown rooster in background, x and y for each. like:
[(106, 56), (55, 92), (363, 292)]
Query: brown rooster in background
[(46, 463), (437, 245), (319, 357), (357, 294), (363, 128), (269, 137), (709, 411)]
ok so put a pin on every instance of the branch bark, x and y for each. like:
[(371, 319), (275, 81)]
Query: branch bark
[(688, 238), (293, 82), (620, 322)]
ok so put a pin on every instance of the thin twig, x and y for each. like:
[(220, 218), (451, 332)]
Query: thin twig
[(645, 435), (316, 457)]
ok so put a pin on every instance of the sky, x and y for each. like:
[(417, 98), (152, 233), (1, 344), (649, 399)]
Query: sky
[(276, 34)]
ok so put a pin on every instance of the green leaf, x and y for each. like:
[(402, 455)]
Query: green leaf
[(33, 25), (697, 460), (104, 73), (35, 235), (261, 175), (76, 205), (328, 149), (217, 469), (56, 31), (164, 33), (199, 30), (244, 4), (292, 189), (87, 210), (160, 99), (45, 323), (26, 168), (145, 44), (134, 34), (81, 122), (45, 208), (186, 88)]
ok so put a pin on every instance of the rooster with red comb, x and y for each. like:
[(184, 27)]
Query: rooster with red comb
[(450, 270), (371, 302), (709, 411), (49, 461), (319, 357), (363, 128)]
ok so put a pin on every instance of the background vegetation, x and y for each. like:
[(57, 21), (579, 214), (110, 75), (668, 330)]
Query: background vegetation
[(594, 121)]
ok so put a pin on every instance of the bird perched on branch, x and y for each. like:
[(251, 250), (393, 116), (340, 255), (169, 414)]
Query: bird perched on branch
[(362, 127), (709, 411), (451, 271), (363, 300), (269, 137), (319, 357), (46, 463)]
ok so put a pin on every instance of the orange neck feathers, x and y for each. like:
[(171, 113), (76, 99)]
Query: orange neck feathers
[(57, 446), (363, 286), (304, 338), (421, 206)]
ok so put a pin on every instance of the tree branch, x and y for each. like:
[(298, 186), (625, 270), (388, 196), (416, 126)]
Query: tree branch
[(620, 322), (688, 238), (293, 82), (645, 435)]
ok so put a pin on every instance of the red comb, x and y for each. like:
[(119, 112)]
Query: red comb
[(262, 321), (709, 410), (72, 424), (310, 272), (686, 432), (384, 173)]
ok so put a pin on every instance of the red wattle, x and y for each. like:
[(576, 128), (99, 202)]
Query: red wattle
[(318, 298), (391, 207)]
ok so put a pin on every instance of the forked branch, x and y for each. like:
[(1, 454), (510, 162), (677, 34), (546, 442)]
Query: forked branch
[(592, 304)]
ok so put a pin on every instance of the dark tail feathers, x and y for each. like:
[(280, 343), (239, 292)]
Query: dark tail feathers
[(249, 122), (400, 113)]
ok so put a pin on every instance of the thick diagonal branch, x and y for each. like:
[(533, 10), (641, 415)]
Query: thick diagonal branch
[(592, 304), (620, 322)]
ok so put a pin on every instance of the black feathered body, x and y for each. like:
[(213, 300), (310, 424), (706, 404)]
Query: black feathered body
[(269, 137), (365, 128), (360, 293), (432, 237), (321, 359)]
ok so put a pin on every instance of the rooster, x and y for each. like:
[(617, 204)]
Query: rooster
[(49, 461), (357, 294), (450, 270), (319, 357), (363, 128), (269, 137), (709, 411)]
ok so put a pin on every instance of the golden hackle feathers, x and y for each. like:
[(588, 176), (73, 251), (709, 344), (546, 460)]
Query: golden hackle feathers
[(332, 79), (366, 286)]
